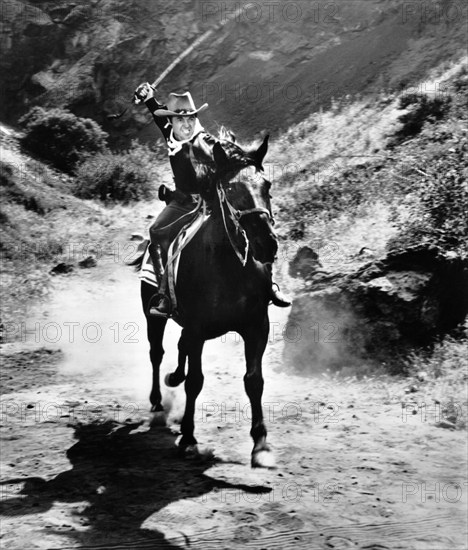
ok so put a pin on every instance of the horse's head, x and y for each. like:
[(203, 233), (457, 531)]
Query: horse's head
[(241, 180)]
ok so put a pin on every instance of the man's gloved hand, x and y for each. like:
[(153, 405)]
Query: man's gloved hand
[(165, 194), (144, 92)]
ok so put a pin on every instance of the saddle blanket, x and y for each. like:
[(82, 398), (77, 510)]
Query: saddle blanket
[(185, 235), (147, 271)]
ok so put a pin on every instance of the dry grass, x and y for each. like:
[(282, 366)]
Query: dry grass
[(43, 224), (341, 163), (443, 379)]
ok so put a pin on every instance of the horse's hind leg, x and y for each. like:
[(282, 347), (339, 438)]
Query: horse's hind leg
[(175, 378), (193, 386), (255, 338)]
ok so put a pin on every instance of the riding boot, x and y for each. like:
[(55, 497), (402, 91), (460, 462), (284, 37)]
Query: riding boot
[(277, 297), (159, 304)]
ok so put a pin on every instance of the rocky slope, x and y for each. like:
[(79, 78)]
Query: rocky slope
[(269, 68)]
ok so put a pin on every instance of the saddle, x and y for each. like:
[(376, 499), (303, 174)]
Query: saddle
[(184, 236)]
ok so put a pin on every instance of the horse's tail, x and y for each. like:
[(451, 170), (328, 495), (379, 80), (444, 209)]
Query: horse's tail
[(138, 261)]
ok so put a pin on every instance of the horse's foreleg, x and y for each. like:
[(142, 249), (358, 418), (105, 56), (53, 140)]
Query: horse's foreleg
[(155, 336), (193, 386), (256, 338), (155, 332), (175, 378)]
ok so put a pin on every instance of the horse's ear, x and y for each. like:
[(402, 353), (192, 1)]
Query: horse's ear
[(220, 156), (260, 153)]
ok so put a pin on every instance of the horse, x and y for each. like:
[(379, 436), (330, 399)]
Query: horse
[(223, 285)]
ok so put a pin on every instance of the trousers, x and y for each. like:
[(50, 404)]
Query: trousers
[(168, 224)]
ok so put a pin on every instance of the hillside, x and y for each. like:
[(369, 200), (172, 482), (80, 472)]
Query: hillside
[(383, 152), (44, 225), (267, 70), (365, 175), (365, 379), (364, 460)]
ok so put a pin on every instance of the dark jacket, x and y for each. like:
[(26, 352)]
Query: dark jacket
[(185, 176)]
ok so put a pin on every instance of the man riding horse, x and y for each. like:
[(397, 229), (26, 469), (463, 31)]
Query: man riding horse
[(187, 142)]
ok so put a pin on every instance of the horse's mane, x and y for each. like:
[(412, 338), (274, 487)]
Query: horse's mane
[(238, 157)]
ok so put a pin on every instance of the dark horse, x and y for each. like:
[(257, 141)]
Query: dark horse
[(216, 293)]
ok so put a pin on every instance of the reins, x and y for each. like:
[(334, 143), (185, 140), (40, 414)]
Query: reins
[(232, 213), (235, 215)]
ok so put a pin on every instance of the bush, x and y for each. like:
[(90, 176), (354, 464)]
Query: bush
[(10, 191), (421, 109), (60, 137), (113, 178), (439, 212)]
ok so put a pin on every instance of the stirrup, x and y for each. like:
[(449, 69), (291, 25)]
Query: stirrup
[(162, 309)]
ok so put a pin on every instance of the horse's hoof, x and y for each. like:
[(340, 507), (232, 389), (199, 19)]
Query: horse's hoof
[(263, 459), (191, 451), (202, 454), (188, 451), (157, 419), (171, 381)]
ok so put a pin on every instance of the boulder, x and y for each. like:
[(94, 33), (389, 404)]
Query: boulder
[(88, 262), (379, 313), (305, 263), (62, 269)]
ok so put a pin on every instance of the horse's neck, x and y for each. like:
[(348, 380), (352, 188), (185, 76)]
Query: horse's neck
[(220, 222), (216, 226)]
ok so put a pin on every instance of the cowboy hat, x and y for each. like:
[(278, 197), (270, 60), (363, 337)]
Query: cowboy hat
[(180, 105)]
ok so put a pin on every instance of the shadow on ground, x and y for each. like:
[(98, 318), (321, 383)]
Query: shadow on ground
[(125, 475)]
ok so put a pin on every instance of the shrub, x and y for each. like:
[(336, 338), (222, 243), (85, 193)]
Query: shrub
[(60, 137), (439, 212), (149, 158), (113, 178), (10, 191), (420, 109)]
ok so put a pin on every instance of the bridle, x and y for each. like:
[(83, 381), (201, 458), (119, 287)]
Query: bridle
[(235, 216), (238, 214), (259, 210)]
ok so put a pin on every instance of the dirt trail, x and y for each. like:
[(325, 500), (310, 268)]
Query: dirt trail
[(359, 466)]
